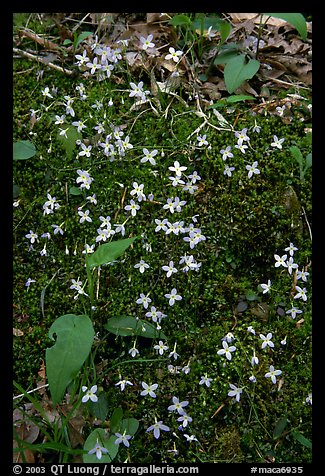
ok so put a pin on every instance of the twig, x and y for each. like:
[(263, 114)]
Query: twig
[(30, 391), (29, 56), (309, 229)]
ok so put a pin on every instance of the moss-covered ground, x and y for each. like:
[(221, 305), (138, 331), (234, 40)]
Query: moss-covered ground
[(245, 222)]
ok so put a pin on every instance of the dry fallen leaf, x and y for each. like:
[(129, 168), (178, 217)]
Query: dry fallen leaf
[(17, 332)]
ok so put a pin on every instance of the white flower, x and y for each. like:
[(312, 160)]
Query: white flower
[(142, 265), (161, 347), (252, 169), (266, 287), (302, 293), (146, 42), (280, 261), (149, 389), (173, 296), (133, 207), (170, 269), (266, 340), (273, 373), (174, 55), (145, 300), (235, 392), (177, 168), (123, 383), (205, 380), (277, 142), (156, 427), (98, 450), (226, 350), (122, 439), (90, 394)]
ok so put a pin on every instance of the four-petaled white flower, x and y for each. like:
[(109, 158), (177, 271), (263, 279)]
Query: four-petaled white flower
[(170, 269), (302, 293), (133, 207), (123, 384), (273, 373), (235, 391), (147, 42), (149, 156), (177, 405), (294, 311), (156, 427), (122, 439), (277, 142), (149, 389), (174, 55), (252, 169), (280, 261), (144, 300), (99, 450), (161, 347), (90, 394), (84, 216), (142, 266), (267, 340), (173, 296), (177, 168), (226, 350), (291, 248), (266, 287), (185, 419), (205, 380)]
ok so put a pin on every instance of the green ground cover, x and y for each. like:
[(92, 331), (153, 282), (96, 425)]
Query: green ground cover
[(240, 222)]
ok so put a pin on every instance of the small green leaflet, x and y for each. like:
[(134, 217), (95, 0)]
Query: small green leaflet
[(132, 326), (304, 441)]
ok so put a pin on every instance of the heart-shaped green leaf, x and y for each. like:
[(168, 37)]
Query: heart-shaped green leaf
[(23, 150), (74, 338)]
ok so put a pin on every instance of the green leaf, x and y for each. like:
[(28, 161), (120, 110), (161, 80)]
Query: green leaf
[(309, 159), (16, 191), (100, 408), (179, 20), (67, 42), (231, 99), (304, 441), (237, 71), (116, 419), (82, 37), (279, 427), (296, 152), (129, 426), (132, 326), (108, 252), (295, 19), (23, 150), (74, 338), (225, 56), (99, 435), (216, 23), (75, 191), (68, 142)]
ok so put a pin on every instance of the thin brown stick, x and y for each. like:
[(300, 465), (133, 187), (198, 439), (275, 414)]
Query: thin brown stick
[(31, 57)]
